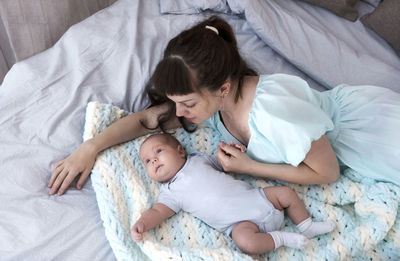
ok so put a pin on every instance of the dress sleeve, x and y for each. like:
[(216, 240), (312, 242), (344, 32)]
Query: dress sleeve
[(286, 114)]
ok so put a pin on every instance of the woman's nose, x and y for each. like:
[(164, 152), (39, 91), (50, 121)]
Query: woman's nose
[(179, 110)]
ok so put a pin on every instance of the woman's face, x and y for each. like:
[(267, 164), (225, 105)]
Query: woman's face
[(196, 107)]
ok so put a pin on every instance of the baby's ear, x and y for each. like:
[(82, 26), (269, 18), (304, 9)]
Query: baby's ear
[(181, 151)]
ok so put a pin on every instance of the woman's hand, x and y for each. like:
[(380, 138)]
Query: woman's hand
[(81, 162), (238, 146), (232, 157), (137, 231)]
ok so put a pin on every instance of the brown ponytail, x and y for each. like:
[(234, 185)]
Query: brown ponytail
[(196, 59)]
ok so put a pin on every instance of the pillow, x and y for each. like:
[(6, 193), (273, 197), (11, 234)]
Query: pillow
[(192, 6), (343, 8), (385, 21), (372, 2)]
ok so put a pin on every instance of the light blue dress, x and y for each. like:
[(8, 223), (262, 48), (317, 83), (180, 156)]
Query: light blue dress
[(362, 124)]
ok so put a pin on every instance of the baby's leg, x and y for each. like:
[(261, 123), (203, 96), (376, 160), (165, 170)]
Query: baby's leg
[(250, 240), (286, 198)]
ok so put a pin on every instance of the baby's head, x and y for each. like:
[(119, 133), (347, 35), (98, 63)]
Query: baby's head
[(163, 156)]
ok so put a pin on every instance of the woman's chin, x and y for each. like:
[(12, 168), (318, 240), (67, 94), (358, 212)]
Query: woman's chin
[(196, 120), (192, 120)]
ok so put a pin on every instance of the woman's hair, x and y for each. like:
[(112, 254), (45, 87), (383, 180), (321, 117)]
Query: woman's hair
[(197, 59)]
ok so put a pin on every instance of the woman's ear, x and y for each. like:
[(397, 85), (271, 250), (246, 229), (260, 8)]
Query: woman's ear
[(225, 88)]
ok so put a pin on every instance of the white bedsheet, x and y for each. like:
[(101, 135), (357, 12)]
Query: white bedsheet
[(107, 57)]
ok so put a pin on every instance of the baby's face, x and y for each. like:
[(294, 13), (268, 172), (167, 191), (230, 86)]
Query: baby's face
[(161, 159)]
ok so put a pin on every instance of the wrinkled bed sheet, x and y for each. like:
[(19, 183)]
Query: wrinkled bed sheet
[(108, 58)]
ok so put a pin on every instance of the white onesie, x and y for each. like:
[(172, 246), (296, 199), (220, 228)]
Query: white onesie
[(219, 200)]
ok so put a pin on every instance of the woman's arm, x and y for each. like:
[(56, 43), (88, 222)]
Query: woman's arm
[(81, 161), (150, 219), (319, 167)]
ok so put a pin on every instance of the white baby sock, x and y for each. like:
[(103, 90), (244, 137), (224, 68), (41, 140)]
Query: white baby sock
[(310, 229), (289, 239)]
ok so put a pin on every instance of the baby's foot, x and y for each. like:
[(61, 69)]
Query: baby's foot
[(311, 229), (289, 239)]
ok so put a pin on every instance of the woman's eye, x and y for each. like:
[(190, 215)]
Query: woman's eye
[(190, 106)]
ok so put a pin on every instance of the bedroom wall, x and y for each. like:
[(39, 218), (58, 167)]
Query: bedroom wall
[(28, 27)]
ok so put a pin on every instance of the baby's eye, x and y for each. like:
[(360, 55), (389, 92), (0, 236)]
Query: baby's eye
[(147, 161), (159, 150)]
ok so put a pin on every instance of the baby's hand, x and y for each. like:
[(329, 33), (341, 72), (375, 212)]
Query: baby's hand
[(238, 146), (137, 231)]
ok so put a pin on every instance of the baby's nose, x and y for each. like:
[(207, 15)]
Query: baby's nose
[(154, 160)]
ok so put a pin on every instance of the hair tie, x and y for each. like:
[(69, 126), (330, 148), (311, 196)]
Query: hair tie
[(212, 28)]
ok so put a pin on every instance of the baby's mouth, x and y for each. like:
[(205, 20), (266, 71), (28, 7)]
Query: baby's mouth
[(159, 166)]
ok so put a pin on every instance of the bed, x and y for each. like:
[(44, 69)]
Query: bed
[(105, 61)]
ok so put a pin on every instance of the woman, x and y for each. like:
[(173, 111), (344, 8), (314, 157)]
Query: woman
[(292, 132)]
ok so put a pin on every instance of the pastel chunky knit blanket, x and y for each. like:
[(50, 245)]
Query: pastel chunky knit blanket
[(365, 211)]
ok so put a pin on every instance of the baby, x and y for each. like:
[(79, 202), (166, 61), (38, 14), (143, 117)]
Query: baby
[(251, 216)]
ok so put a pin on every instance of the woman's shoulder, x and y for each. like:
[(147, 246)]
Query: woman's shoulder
[(281, 79), (284, 85), (286, 99)]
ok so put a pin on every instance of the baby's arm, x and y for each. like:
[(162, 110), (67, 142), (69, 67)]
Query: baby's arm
[(150, 219)]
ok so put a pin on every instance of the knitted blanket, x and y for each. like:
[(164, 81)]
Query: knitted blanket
[(365, 211)]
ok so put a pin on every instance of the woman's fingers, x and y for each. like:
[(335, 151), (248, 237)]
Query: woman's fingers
[(240, 147), (62, 178), (67, 182), (229, 150), (58, 164), (232, 157), (65, 171), (58, 181), (56, 171), (225, 155), (221, 155), (83, 178)]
